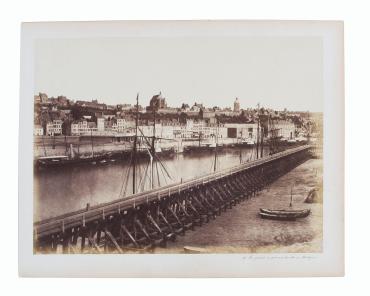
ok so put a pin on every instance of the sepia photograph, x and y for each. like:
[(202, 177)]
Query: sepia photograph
[(203, 143)]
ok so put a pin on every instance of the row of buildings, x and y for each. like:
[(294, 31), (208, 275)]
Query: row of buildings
[(60, 116), (192, 129)]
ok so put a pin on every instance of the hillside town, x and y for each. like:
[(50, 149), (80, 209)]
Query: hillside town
[(60, 116)]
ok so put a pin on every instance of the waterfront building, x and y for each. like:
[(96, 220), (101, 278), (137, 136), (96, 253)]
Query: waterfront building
[(178, 131), (78, 127), (160, 131), (100, 124), (121, 124), (91, 126), (195, 129), (167, 131), (244, 131), (286, 129), (38, 130), (83, 128), (109, 125), (54, 128), (222, 132)]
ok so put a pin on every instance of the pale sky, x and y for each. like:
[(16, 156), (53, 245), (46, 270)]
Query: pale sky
[(278, 72)]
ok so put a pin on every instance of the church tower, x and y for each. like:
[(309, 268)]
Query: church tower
[(236, 105)]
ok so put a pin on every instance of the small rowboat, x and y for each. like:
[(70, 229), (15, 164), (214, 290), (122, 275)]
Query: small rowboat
[(282, 217), (295, 213)]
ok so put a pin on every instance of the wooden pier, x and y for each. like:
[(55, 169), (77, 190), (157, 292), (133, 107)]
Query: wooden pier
[(142, 221)]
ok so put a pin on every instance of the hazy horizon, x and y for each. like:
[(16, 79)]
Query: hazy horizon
[(277, 72)]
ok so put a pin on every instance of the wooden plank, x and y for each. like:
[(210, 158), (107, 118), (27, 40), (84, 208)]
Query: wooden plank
[(142, 228), (165, 221), (93, 244), (124, 228), (113, 240), (175, 216), (154, 223)]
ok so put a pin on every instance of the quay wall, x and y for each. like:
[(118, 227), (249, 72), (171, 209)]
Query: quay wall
[(75, 146)]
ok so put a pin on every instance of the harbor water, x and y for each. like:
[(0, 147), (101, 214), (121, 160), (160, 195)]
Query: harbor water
[(64, 189)]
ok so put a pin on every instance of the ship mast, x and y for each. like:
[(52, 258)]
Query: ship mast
[(43, 144), (240, 150), (65, 143), (216, 142), (272, 136), (135, 147), (309, 128), (153, 138), (258, 129), (152, 152), (262, 131), (92, 144)]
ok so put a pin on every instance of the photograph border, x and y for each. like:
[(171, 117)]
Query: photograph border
[(328, 263)]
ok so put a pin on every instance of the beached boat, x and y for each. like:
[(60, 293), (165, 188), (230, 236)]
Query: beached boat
[(293, 213), (283, 217)]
